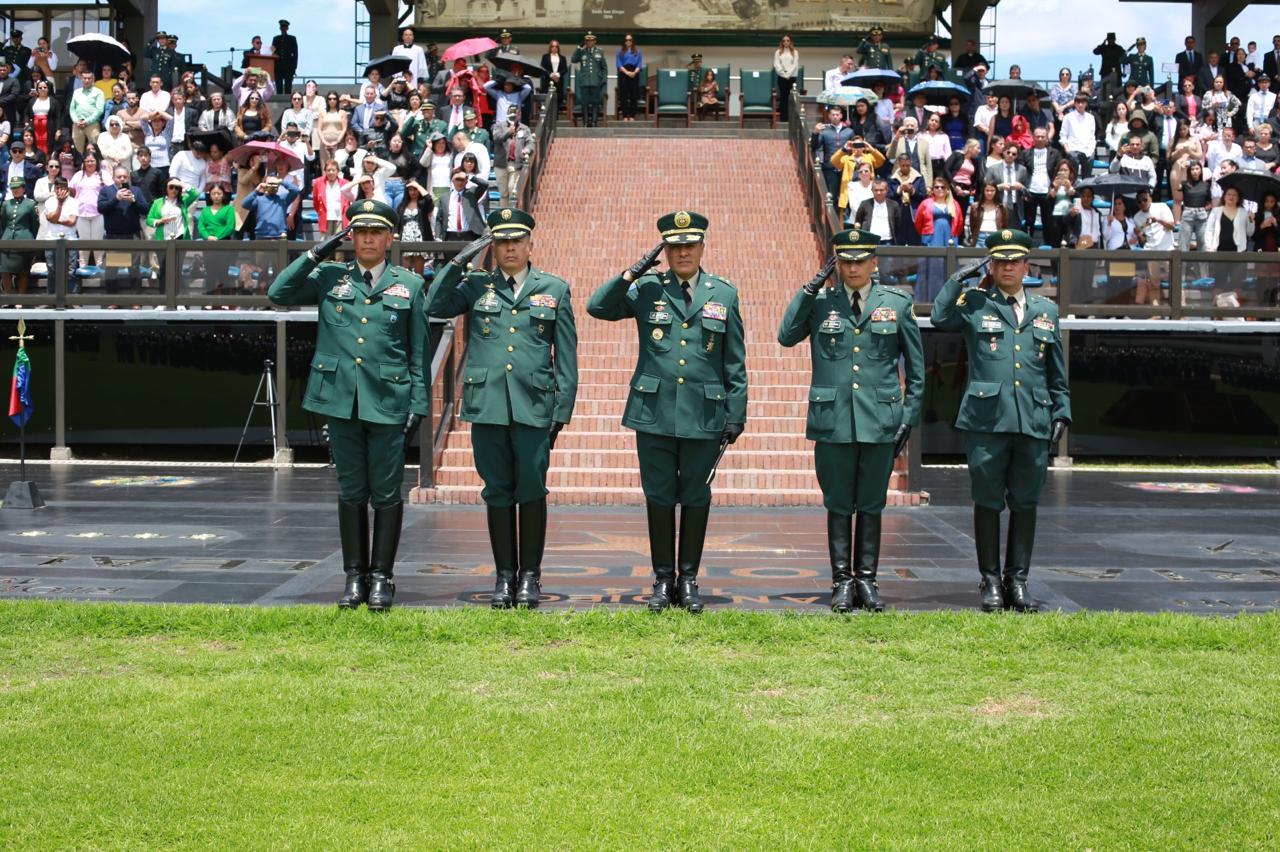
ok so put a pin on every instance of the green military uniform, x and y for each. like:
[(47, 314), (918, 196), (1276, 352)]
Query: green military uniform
[(417, 131), (507, 48), (1142, 68), (18, 55), (19, 220), (856, 405), (688, 393), (925, 59), (518, 391), (1017, 390), (478, 134), (164, 62), (593, 76), (875, 55), (368, 377), (695, 72)]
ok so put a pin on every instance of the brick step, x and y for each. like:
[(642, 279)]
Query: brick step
[(721, 496), (778, 425), (765, 393), (573, 438), (670, 129), (755, 408), (622, 458), (757, 374)]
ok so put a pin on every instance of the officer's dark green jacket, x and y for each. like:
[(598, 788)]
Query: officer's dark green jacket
[(592, 71), (1017, 377), (370, 343), (875, 55), (522, 354), (19, 219), (691, 373), (855, 395), (417, 130)]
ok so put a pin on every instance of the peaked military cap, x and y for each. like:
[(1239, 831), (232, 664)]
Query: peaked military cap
[(590, 36), (369, 213), (504, 34), (1009, 244), (17, 181), (854, 244), (877, 31), (683, 227), (510, 223)]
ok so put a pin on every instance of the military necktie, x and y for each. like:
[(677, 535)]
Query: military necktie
[(368, 280), (1013, 306), (855, 304), (688, 297), (511, 285)]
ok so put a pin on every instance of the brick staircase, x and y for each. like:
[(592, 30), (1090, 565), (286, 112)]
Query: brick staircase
[(598, 202)]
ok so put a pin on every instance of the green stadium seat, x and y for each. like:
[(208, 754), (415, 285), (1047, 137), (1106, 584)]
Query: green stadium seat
[(757, 96), (673, 96)]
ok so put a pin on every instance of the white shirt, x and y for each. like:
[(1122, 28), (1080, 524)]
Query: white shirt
[(1260, 104), (1039, 183), (982, 118), (1156, 226), (154, 101), (1079, 133), (417, 61), (457, 213), (833, 77), (1019, 303), (1115, 233), (455, 119), (1216, 152), (186, 167), (333, 201), (59, 231), (1090, 223), (178, 126), (374, 272), (879, 224)]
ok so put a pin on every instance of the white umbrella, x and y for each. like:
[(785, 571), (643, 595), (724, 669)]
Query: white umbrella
[(100, 49)]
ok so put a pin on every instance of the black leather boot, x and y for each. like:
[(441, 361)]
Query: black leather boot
[(353, 529), (502, 539), (1017, 560), (840, 547), (866, 538), (533, 537), (693, 534), (386, 541), (986, 536), (662, 553)]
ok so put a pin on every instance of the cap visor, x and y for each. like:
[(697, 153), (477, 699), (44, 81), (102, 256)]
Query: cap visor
[(855, 254), (677, 239)]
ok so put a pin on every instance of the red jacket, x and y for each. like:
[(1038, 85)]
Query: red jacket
[(924, 218), (318, 202)]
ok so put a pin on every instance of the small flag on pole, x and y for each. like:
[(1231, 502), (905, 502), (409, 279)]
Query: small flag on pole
[(20, 407)]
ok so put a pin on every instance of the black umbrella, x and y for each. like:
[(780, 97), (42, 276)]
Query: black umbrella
[(1016, 89), (388, 66), (99, 49), (525, 67), (1251, 185), (220, 136), (1109, 186)]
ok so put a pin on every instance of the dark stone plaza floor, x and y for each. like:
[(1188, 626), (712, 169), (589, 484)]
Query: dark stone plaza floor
[(1203, 543)]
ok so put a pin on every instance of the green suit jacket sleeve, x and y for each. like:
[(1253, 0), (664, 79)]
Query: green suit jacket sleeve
[(566, 360), (613, 300)]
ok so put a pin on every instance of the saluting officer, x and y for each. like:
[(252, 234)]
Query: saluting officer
[(859, 416), (1014, 410), (593, 75), (518, 390), (874, 52), (1142, 68), (688, 393), (367, 377), (930, 57)]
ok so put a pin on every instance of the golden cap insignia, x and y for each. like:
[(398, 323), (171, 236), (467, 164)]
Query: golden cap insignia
[(367, 206), (682, 219), (1006, 235), (506, 215)]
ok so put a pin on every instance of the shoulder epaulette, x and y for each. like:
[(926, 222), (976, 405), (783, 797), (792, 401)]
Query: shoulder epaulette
[(897, 291), (722, 279)]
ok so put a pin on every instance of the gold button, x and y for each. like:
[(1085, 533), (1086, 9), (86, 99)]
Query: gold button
[(680, 380), (856, 368), (1017, 365), (684, 325), (1017, 347), (360, 340), (359, 360), (857, 349), (684, 343), (338, 309), (514, 312), (512, 329), (368, 301), (510, 368), (511, 349), (364, 320), (982, 393), (855, 385), (319, 366), (857, 331), (681, 362), (1017, 384)]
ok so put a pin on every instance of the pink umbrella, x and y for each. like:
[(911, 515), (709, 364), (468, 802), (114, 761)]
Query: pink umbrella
[(272, 151), (468, 47)]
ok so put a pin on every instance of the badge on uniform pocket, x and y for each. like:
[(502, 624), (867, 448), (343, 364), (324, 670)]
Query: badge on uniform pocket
[(832, 323), (657, 334)]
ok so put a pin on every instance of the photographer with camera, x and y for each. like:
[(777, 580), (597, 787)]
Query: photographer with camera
[(854, 153)]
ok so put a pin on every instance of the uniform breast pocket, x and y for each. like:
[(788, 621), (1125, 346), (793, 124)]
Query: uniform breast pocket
[(395, 316), (394, 379), (324, 377), (1043, 343), (542, 324), (712, 335), (337, 311), (822, 409), (885, 339), (658, 335), (989, 345)]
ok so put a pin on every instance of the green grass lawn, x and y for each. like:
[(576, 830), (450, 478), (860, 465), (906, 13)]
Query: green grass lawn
[(143, 726)]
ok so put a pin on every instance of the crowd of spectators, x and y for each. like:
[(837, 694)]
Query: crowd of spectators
[(953, 173), (105, 158)]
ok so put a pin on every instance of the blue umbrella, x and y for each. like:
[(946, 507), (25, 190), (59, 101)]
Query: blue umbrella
[(868, 77), (939, 92)]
